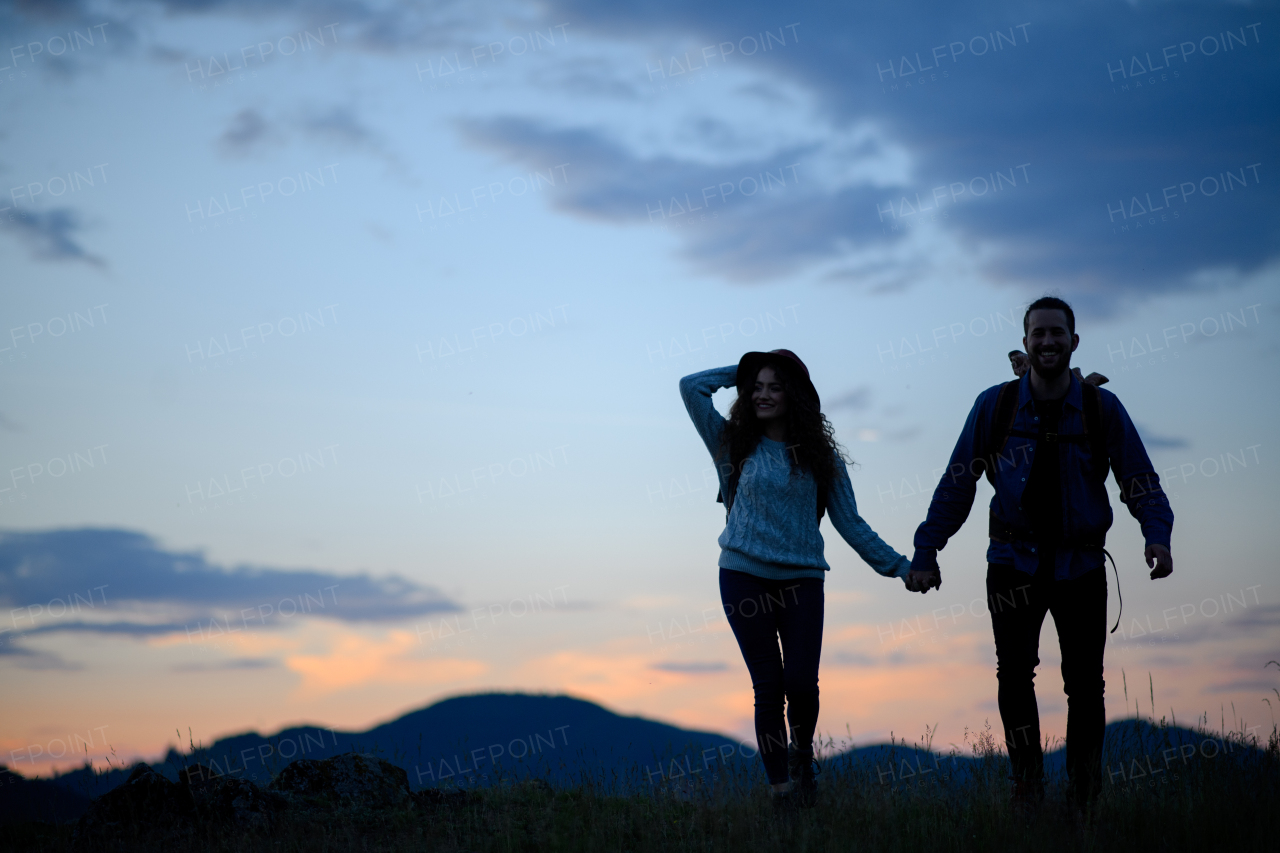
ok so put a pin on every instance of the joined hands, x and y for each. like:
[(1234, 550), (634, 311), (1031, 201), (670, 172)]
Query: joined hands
[(923, 581)]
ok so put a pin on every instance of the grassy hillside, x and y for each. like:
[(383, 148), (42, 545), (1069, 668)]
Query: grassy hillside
[(1166, 789)]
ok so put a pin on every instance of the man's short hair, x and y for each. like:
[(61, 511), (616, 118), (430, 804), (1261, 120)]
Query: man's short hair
[(1050, 303)]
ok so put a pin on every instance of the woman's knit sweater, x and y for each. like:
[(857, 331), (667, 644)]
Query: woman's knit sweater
[(772, 529)]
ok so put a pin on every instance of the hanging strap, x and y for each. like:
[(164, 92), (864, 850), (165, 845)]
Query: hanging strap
[(1000, 531), (1119, 597)]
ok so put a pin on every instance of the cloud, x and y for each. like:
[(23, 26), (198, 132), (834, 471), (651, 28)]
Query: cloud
[(748, 220), (1241, 685), (41, 33), (1108, 193), (588, 77), (861, 659), (354, 660), (36, 659), (610, 672), (1162, 442), (129, 629), (859, 399), (60, 580), (691, 667), (339, 124), (50, 235), (853, 659), (366, 26), (49, 10), (247, 132), (1043, 110), (1245, 621), (231, 665), (872, 434)]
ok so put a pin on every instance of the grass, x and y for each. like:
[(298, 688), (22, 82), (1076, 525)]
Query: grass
[(1225, 796)]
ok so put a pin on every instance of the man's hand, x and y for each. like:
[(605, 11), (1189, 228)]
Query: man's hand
[(1094, 379), (923, 581), (1158, 559)]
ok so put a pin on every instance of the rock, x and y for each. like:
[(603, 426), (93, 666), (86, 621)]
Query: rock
[(146, 801), (199, 779), (348, 779), (239, 801), (244, 803)]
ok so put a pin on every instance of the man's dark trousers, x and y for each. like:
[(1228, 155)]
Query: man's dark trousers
[(1018, 604)]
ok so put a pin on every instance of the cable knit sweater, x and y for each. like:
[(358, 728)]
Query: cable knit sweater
[(772, 529)]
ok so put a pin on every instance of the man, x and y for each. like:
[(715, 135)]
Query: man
[(1047, 442)]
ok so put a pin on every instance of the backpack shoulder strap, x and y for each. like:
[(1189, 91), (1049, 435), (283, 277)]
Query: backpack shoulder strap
[(1095, 430), (1001, 423)]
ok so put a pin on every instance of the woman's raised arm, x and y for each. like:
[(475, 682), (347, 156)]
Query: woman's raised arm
[(696, 389)]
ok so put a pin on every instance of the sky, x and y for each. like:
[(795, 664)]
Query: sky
[(340, 345)]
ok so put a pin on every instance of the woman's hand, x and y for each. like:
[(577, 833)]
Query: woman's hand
[(924, 574)]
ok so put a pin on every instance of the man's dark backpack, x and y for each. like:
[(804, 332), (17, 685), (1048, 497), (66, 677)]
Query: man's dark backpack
[(1006, 410), (1094, 436)]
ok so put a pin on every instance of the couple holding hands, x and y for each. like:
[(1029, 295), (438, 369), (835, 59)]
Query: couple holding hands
[(1046, 441)]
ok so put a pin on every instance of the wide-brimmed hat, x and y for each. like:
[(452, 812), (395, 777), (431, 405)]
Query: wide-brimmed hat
[(749, 367)]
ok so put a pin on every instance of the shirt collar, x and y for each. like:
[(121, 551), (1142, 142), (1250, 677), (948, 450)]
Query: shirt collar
[(1074, 398)]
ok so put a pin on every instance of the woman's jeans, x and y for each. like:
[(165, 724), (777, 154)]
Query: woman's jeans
[(760, 611)]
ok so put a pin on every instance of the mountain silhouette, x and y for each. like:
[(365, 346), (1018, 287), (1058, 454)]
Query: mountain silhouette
[(484, 739), (470, 740)]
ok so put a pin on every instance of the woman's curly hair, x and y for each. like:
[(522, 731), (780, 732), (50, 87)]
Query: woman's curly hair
[(810, 436)]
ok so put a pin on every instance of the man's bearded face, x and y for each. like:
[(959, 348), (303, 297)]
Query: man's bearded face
[(1049, 343)]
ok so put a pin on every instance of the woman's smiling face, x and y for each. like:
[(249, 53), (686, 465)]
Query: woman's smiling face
[(769, 398)]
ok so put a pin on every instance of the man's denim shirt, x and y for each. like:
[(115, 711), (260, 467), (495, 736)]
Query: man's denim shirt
[(1086, 511)]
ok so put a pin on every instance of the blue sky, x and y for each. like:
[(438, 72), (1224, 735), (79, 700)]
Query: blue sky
[(396, 306)]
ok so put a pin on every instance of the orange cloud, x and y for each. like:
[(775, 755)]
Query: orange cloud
[(355, 659)]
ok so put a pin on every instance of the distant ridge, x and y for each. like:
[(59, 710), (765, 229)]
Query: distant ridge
[(1135, 751), (468, 740), (484, 738)]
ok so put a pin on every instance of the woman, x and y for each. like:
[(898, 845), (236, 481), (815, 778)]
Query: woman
[(780, 469)]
